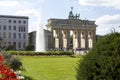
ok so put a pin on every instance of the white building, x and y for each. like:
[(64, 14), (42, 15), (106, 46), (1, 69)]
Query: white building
[(13, 31)]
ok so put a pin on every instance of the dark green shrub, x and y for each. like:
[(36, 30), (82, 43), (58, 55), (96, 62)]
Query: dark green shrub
[(47, 53), (102, 62), (10, 47), (30, 48)]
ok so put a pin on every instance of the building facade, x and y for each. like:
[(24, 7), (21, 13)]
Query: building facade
[(83, 33), (13, 31), (32, 38)]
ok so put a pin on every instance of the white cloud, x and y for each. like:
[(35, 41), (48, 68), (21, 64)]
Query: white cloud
[(9, 3), (107, 23), (40, 1), (34, 18), (109, 19), (28, 12), (106, 3)]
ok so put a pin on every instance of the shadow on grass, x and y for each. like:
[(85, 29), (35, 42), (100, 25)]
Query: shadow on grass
[(75, 56), (28, 78)]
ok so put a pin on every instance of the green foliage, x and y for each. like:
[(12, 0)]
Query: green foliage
[(102, 62), (10, 47), (12, 61), (98, 37), (59, 53), (33, 53), (30, 48)]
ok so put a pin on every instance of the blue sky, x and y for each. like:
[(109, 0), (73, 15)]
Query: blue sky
[(106, 13)]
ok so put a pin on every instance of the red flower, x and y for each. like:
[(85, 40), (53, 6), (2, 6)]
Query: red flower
[(5, 71), (1, 58)]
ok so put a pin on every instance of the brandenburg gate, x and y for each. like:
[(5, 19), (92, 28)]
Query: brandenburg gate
[(82, 32)]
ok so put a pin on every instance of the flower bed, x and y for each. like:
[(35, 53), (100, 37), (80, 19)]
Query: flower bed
[(5, 72), (47, 53)]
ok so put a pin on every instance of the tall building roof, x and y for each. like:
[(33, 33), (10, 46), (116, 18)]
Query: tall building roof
[(11, 16)]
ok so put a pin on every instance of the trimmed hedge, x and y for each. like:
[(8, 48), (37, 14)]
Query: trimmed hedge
[(47, 53), (103, 62)]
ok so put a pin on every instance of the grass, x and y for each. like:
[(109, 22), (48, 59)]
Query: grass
[(50, 68)]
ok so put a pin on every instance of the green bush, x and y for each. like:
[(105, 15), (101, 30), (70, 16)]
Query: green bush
[(102, 62), (10, 47), (12, 61), (33, 53), (30, 48)]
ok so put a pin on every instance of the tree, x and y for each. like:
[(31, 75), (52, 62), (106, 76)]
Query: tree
[(30, 48), (103, 61)]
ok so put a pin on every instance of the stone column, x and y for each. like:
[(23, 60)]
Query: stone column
[(90, 39), (52, 40), (56, 38), (86, 39), (68, 39), (75, 39), (60, 39), (64, 32), (82, 39), (79, 39)]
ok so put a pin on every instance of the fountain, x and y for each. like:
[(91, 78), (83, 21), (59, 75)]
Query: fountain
[(40, 39)]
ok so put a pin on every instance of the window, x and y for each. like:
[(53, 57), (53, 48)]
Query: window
[(24, 36), (24, 44), (4, 35), (19, 28), (9, 27), (4, 27), (14, 21), (9, 21), (24, 29), (19, 35), (9, 35), (19, 44), (19, 21), (14, 44), (24, 22), (14, 35), (14, 28)]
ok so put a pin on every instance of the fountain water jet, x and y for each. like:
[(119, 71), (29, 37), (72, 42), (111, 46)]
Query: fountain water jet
[(40, 40)]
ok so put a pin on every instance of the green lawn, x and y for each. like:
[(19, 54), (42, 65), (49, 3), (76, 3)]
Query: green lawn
[(50, 68)]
